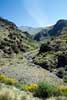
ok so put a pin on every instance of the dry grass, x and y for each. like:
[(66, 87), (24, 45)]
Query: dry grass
[(57, 98), (12, 93)]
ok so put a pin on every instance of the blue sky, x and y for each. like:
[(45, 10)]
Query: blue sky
[(35, 13)]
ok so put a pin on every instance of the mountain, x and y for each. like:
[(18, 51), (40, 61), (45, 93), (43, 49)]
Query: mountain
[(59, 28), (36, 33), (13, 40), (52, 55), (43, 33), (39, 34), (30, 30)]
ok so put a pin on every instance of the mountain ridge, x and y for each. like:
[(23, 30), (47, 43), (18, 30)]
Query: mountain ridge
[(54, 30), (13, 40)]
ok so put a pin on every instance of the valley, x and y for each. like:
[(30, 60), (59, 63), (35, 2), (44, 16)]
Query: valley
[(34, 64)]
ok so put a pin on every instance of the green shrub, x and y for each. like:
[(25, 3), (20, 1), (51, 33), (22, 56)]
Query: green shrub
[(44, 48), (45, 90), (66, 68), (63, 90), (65, 77), (60, 72), (52, 38), (8, 51), (15, 49)]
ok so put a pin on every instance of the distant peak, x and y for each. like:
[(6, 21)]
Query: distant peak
[(61, 21)]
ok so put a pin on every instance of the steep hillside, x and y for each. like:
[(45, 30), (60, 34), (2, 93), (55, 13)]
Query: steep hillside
[(53, 56), (12, 40), (13, 43), (43, 33), (59, 28)]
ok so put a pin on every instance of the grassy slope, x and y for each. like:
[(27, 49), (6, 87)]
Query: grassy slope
[(13, 42)]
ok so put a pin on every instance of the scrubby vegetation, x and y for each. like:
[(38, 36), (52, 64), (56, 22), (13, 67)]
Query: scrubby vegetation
[(41, 90), (45, 90), (5, 97), (53, 56), (13, 40), (7, 80)]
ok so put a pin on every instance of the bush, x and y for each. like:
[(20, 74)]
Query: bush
[(66, 68), (44, 48), (30, 87), (7, 50), (15, 49), (65, 77), (60, 72), (52, 38), (63, 90), (62, 60), (7, 80), (45, 90)]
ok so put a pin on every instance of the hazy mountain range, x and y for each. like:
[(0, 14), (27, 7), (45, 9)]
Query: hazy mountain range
[(39, 33)]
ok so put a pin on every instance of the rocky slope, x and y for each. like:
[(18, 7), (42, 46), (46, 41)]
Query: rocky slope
[(59, 28), (12, 39), (53, 56)]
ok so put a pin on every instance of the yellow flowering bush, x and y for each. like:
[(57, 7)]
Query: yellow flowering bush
[(7, 79), (63, 90), (30, 87)]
